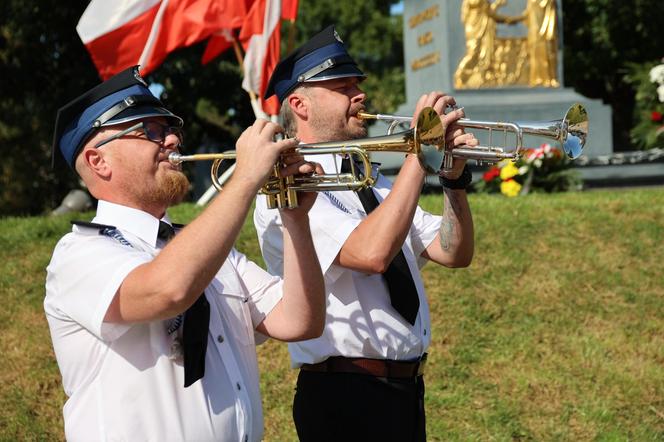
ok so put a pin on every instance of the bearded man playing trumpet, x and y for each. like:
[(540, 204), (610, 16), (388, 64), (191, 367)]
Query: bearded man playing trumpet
[(153, 324), (362, 379)]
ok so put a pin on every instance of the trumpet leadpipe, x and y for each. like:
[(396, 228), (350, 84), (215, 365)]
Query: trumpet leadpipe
[(176, 158), (383, 117)]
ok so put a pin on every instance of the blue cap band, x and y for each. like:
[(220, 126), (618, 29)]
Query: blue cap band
[(323, 57), (80, 128)]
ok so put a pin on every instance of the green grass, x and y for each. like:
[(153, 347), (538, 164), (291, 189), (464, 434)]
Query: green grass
[(555, 333)]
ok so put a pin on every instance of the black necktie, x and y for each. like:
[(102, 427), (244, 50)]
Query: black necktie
[(403, 293), (195, 328), (166, 231)]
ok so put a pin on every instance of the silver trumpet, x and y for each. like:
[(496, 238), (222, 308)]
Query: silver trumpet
[(571, 133)]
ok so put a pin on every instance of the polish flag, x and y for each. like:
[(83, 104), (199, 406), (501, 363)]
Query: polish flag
[(289, 9), (261, 38), (122, 33), (217, 44), (222, 40)]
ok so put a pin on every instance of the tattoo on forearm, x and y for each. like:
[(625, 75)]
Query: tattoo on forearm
[(446, 230), (452, 216)]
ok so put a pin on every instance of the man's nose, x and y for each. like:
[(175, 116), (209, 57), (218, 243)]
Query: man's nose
[(359, 96), (172, 142)]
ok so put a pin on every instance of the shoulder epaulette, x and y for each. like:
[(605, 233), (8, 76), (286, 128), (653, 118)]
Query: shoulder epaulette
[(90, 225)]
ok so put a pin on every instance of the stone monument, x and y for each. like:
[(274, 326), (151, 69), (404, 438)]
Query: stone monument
[(501, 60)]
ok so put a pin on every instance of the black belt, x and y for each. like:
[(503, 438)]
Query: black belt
[(381, 368)]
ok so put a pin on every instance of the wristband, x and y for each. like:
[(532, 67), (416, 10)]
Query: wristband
[(460, 183)]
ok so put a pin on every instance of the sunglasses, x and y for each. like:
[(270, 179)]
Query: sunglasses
[(153, 131)]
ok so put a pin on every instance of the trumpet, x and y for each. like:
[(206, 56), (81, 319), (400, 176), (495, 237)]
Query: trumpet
[(281, 192), (571, 133)]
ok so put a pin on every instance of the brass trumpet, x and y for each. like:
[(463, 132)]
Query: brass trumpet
[(282, 191), (571, 133)]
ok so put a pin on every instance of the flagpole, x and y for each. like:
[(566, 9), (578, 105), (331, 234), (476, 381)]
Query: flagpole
[(291, 35), (258, 113), (147, 49)]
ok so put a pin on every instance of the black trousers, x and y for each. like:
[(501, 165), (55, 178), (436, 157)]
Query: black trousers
[(346, 407)]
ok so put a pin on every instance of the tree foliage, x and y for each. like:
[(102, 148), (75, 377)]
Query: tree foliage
[(373, 37), (601, 39), (44, 65)]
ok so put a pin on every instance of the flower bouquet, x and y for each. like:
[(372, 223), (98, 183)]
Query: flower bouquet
[(648, 81), (542, 169)]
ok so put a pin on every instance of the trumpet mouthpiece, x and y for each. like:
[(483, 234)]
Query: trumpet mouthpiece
[(366, 116), (175, 158)]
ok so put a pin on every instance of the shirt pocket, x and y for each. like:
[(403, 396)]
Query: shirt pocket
[(234, 310)]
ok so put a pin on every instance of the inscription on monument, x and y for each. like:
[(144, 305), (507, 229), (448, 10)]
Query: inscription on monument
[(428, 60), (426, 38), (426, 15)]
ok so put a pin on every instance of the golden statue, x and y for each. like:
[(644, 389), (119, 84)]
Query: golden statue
[(492, 61), (479, 18), (541, 20)]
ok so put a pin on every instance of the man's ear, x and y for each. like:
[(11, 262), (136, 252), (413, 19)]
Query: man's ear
[(299, 104), (94, 160)]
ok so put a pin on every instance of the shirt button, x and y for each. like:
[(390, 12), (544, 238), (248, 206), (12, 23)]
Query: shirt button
[(239, 387), (425, 332), (246, 438), (220, 339)]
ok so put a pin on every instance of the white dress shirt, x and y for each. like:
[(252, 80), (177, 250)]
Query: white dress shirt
[(360, 321), (124, 381)]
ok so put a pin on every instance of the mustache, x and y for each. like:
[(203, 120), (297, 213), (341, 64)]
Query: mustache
[(355, 109), (164, 153)]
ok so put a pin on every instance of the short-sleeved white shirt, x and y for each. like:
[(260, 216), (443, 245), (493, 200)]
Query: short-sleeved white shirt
[(123, 380), (360, 321)]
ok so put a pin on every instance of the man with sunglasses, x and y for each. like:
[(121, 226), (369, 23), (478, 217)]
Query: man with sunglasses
[(152, 130), (154, 325)]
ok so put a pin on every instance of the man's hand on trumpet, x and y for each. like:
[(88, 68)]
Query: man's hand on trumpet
[(295, 164), (258, 152), (454, 134)]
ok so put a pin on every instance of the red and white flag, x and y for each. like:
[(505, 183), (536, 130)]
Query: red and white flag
[(122, 33), (223, 39), (217, 44), (261, 38), (289, 9)]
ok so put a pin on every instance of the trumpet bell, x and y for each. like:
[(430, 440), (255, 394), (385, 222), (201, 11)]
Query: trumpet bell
[(576, 123), (430, 136)]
